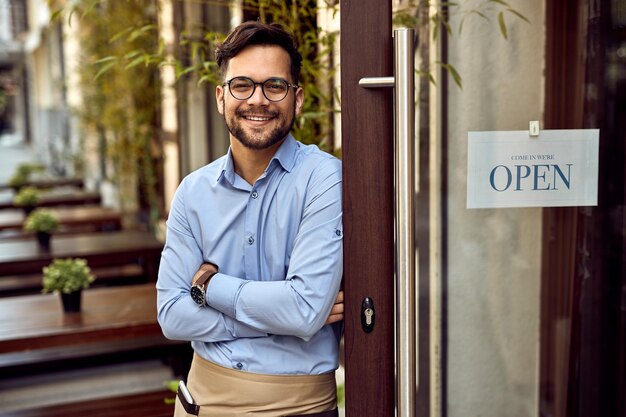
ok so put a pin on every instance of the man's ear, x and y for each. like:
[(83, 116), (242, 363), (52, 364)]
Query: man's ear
[(299, 100), (219, 98)]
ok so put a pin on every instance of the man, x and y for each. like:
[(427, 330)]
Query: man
[(252, 263)]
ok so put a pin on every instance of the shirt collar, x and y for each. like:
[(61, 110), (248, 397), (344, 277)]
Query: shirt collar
[(285, 155)]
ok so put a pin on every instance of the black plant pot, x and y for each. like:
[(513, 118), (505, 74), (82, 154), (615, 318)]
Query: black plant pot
[(71, 301), (43, 238)]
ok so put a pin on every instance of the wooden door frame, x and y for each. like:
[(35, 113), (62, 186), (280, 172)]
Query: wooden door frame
[(583, 267), (368, 206)]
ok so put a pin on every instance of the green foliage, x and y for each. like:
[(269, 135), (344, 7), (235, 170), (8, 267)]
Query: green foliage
[(41, 220), (67, 275), (27, 196), (121, 93), (440, 15), (23, 173), (341, 395), (316, 46), (18, 180)]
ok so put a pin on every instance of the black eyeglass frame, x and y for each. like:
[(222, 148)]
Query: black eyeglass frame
[(262, 84)]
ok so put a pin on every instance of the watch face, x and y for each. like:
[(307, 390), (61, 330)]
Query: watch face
[(197, 295)]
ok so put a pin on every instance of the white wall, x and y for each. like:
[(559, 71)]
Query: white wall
[(494, 254)]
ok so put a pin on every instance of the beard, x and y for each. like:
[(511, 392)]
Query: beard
[(260, 138)]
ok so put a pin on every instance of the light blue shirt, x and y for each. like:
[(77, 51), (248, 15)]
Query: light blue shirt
[(278, 246)]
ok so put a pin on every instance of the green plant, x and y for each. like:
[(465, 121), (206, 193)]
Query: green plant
[(27, 196), (18, 180), (67, 275), (120, 113), (23, 173), (41, 220)]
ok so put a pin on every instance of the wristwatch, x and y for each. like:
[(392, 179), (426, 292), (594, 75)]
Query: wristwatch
[(198, 289)]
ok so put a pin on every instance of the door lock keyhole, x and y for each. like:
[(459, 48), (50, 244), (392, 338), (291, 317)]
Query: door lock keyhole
[(368, 315)]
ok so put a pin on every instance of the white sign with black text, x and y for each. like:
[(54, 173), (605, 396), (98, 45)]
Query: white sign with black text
[(512, 169)]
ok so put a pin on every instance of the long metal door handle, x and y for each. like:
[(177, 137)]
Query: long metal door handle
[(404, 133)]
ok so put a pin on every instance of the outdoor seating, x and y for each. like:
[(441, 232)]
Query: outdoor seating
[(48, 183), (35, 333), (57, 198), (25, 256), (72, 219), (146, 404)]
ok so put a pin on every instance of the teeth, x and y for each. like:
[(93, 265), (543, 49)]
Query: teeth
[(258, 118)]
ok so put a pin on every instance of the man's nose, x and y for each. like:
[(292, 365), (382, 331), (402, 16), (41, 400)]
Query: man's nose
[(258, 97)]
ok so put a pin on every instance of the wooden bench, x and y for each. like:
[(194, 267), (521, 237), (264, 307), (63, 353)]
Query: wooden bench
[(24, 256), (51, 199), (34, 322), (150, 404), (71, 219), (49, 183), (34, 330)]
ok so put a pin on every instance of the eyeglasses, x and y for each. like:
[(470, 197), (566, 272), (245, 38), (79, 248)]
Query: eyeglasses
[(274, 89)]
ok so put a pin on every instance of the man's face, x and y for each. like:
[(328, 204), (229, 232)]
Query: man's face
[(257, 122)]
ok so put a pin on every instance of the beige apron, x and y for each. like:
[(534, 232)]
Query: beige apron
[(225, 392)]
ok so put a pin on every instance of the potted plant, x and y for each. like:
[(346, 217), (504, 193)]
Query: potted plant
[(17, 181), (27, 197), (68, 277), (43, 222), (22, 174)]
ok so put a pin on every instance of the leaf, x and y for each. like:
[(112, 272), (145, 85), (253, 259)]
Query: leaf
[(502, 25), (139, 32), (132, 54), (518, 14), (455, 75), (119, 34), (453, 72), (172, 385), (426, 74), (502, 2), (204, 79), (106, 59), (104, 69), (135, 62), (56, 14)]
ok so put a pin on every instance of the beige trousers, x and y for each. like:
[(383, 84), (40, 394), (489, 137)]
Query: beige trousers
[(225, 392)]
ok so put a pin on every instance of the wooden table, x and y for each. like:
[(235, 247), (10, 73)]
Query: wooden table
[(33, 322), (21, 256), (97, 217), (49, 183), (65, 198)]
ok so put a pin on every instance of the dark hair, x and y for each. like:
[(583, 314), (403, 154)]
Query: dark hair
[(258, 33)]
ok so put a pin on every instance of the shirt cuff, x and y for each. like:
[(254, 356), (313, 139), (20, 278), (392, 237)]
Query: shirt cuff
[(222, 293)]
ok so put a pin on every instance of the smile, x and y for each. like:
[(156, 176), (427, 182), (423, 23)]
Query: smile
[(258, 118)]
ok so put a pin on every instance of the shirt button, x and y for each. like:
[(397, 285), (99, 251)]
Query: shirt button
[(250, 240), (255, 194), (239, 365)]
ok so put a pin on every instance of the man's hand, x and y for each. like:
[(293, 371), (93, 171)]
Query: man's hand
[(203, 268), (336, 313)]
